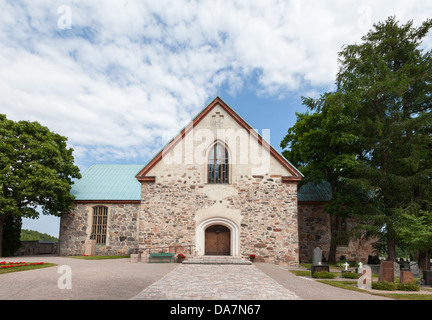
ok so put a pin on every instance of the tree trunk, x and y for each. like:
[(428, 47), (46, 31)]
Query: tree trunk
[(423, 260), (391, 250), (2, 220), (334, 221)]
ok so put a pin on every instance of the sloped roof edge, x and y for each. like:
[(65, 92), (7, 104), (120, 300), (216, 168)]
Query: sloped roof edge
[(297, 175)]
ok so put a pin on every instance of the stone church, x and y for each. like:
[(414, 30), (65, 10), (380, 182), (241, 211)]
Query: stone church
[(217, 188)]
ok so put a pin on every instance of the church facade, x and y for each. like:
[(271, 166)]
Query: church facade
[(217, 188)]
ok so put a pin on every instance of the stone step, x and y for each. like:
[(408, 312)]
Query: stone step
[(216, 260)]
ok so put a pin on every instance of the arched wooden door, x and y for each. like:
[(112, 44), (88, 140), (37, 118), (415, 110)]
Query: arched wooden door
[(217, 241)]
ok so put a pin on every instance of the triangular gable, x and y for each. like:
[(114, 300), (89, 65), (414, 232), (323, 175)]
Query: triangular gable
[(296, 175)]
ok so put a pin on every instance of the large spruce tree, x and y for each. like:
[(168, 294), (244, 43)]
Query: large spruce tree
[(373, 134), (389, 77)]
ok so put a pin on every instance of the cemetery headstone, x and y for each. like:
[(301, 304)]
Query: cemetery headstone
[(365, 279), (317, 265), (404, 266), (357, 270), (427, 277), (346, 265), (317, 256), (90, 247), (386, 271), (414, 268), (406, 277), (396, 267)]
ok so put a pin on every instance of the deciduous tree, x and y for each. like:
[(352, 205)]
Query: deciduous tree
[(36, 171)]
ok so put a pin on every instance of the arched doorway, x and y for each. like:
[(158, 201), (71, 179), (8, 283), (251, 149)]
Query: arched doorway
[(217, 241), (234, 235)]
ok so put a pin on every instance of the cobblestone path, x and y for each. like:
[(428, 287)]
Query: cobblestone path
[(216, 282)]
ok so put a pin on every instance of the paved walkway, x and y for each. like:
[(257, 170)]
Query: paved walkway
[(216, 282), (124, 280)]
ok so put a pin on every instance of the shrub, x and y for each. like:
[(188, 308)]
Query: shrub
[(324, 275), (384, 285), (350, 275), (408, 287)]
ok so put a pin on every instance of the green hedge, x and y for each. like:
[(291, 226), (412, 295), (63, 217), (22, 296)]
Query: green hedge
[(350, 275), (391, 286), (408, 287), (324, 275)]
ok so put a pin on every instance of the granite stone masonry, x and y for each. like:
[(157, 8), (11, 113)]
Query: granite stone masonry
[(76, 228), (264, 208), (217, 188), (314, 231)]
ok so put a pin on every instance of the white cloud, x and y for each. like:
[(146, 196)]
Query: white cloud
[(128, 75)]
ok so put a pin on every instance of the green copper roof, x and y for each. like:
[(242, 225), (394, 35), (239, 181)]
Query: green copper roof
[(108, 182), (118, 182), (312, 192)]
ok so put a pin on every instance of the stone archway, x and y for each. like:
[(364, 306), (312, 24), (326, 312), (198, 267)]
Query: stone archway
[(228, 233)]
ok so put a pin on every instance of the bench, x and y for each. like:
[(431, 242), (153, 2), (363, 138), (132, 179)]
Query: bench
[(161, 256)]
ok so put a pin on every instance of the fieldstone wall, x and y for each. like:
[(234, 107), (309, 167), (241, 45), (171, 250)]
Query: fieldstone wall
[(73, 231), (122, 237), (167, 213), (269, 226), (314, 231), (264, 208)]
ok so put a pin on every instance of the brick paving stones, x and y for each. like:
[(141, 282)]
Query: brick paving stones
[(216, 282)]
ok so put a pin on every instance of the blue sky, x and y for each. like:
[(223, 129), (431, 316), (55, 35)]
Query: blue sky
[(121, 78)]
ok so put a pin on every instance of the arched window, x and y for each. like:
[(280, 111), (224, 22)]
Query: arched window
[(99, 226), (218, 167)]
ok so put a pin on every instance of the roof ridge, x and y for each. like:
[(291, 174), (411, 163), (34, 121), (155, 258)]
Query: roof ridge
[(218, 101)]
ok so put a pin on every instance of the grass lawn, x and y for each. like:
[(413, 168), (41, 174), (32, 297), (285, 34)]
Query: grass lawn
[(352, 285), (25, 268)]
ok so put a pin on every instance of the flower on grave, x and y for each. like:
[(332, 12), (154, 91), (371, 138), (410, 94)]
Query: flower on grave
[(181, 256), (251, 256)]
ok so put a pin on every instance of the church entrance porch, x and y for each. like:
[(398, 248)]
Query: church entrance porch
[(217, 241), (217, 236)]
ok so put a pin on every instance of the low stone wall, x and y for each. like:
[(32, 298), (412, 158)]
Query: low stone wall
[(31, 248)]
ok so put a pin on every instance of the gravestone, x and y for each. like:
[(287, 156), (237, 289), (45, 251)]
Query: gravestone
[(317, 257), (386, 271), (375, 268), (397, 269), (320, 268), (406, 277), (404, 266), (414, 268), (90, 247), (317, 265), (346, 265), (365, 279), (427, 277)]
